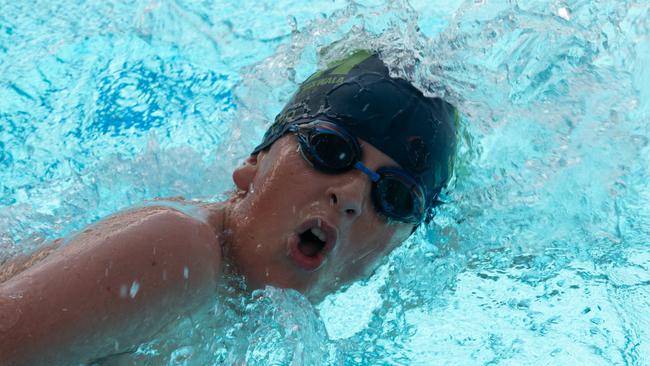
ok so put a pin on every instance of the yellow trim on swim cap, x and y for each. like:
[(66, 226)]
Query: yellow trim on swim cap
[(345, 65), (335, 72)]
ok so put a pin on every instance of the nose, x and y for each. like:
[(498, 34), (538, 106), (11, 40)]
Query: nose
[(350, 194)]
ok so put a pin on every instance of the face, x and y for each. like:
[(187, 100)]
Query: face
[(296, 227)]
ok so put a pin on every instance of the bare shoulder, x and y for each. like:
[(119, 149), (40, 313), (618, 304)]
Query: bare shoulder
[(154, 236), (23, 262), (183, 216), (172, 222), (115, 283)]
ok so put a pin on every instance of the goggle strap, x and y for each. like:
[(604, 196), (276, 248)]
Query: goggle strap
[(373, 175)]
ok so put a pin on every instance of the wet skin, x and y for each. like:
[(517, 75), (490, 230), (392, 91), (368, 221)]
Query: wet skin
[(279, 193), (109, 288), (114, 285)]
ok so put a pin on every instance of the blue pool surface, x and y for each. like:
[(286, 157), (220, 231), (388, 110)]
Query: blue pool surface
[(540, 256)]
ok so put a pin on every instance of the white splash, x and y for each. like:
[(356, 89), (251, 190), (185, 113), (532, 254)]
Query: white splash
[(564, 13)]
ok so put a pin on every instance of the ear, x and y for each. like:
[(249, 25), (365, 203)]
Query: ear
[(243, 176)]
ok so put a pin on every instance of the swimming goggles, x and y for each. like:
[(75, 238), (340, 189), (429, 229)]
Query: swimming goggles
[(330, 149)]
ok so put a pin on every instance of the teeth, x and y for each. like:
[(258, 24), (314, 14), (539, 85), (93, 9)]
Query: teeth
[(319, 234)]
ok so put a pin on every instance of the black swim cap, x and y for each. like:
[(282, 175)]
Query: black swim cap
[(357, 93)]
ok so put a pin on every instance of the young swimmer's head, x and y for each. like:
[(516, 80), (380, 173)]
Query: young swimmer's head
[(358, 95), (349, 168)]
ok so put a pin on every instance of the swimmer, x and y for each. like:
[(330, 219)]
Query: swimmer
[(350, 167)]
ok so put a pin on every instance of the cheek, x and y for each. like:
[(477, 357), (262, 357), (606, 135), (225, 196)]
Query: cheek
[(273, 179), (369, 251), (281, 190)]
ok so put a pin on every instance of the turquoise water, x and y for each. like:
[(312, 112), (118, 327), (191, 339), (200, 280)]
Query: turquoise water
[(541, 256)]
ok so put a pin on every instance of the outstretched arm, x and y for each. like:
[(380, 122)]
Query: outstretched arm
[(111, 287)]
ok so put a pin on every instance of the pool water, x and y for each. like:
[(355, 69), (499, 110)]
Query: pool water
[(540, 256)]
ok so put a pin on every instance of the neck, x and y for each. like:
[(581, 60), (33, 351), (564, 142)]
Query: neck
[(220, 219)]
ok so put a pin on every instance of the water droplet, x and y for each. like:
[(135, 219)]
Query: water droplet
[(293, 23), (597, 320), (135, 286), (123, 291)]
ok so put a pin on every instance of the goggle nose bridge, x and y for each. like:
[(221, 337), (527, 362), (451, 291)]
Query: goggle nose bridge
[(375, 177)]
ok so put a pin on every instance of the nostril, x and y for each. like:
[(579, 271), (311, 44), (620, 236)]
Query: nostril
[(345, 204), (333, 199)]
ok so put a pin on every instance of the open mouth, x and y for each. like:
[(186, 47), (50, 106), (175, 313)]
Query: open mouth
[(312, 242), (309, 246)]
